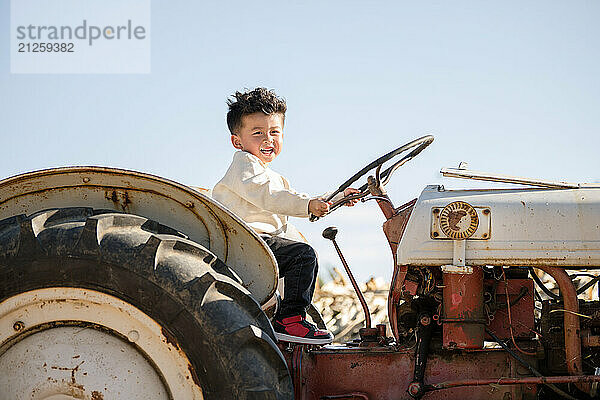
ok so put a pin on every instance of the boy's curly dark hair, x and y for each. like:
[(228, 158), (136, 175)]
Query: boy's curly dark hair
[(257, 100)]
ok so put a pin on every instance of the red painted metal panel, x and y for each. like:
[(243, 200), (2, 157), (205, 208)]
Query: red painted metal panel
[(383, 374), (463, 320), (522, 311)]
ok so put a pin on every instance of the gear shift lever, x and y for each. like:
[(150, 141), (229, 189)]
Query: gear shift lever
[(330, 233)]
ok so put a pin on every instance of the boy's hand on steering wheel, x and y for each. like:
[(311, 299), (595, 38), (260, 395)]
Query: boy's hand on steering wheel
[(318, 207), (348, 192)]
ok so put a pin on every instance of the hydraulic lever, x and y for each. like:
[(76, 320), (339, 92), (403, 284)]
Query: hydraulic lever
[(416, 389), (330, 233)]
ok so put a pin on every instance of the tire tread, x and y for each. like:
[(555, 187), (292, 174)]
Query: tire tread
[(177, 282)]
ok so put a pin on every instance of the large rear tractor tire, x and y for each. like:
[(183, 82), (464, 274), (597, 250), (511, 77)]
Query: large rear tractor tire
[(101, 305)]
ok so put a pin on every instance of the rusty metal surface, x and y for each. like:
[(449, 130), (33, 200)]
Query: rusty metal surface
[(395, 297), (40, 367), (347, 396), (84, 343), (485, 176), (296, 370), (555, 227), (394, 227), (589, 340), (522, 307), (172, 204), (571, 322), (512, 381), (380, 374), (463, 316), (386, 207)]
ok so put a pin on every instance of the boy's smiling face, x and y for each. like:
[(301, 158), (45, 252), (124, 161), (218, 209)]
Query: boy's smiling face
[(261, 135)]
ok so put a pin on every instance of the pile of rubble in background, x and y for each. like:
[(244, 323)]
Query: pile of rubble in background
[(338, 304), (579, 277)]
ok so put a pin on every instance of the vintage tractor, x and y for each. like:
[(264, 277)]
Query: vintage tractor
[(121, 285)]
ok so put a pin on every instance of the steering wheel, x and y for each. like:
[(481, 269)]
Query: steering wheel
[(381, 178)]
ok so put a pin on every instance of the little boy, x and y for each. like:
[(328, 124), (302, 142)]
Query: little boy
[(265, 200)]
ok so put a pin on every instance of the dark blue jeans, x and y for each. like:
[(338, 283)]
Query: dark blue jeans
[(299, 267)]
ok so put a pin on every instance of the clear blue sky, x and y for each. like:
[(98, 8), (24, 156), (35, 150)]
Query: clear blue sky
[(511, 87)]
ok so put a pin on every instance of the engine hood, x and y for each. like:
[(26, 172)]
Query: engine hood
[(517, 227)]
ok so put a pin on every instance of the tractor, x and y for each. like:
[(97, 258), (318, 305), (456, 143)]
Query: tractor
[(116, 284)]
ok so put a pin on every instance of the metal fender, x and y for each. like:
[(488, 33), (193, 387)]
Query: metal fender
[(181, 207)]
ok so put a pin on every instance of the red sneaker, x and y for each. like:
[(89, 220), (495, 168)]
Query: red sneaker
[(297, 329)]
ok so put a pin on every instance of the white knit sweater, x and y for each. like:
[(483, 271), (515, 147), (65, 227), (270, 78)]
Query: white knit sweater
[(260, 196)]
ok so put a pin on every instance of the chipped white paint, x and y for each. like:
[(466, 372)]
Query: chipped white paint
[(187, 210), (68, 343), (532, 226)]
